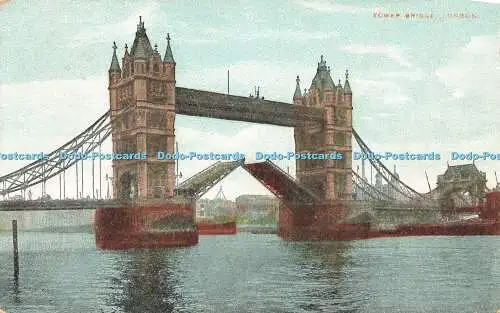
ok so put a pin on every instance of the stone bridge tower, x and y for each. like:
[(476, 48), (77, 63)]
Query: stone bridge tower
[(459, 180), (330, 179), (142, 101)]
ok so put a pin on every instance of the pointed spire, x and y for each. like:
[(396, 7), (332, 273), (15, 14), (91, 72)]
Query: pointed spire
[(169, 57), (323, 80), (115, 66), (322, 64), (141, 48), (140, 26), (297, 93), (347, 86), (126, 50)]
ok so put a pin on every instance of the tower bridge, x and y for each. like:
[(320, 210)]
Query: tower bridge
[(144, 101), (462, 179)]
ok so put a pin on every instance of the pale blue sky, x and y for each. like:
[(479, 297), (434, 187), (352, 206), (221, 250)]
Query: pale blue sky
[(418, 85)]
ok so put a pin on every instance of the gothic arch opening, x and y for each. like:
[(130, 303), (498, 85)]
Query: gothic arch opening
[(448, 192)]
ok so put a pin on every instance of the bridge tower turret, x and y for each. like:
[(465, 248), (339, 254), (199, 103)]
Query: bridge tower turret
[(346, 130), (330, 179), (297, 96), (142, 101), (115, 71)]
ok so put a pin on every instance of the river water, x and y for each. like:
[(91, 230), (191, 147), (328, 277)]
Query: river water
[(64, 273)]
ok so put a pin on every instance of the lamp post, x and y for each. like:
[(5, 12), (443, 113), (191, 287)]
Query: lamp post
[(108, 179), (178, 174)]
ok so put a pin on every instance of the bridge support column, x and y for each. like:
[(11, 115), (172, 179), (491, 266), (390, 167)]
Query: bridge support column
[(319, 222), (151, 226)]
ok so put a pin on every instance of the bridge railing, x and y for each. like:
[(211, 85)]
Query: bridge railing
[(198, 184), (43, 205)]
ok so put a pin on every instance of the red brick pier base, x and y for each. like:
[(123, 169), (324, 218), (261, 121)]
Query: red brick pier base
[(159, 226), (321, 222), (492, 210)]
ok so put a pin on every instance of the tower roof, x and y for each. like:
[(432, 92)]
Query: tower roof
[(169, 57), (115, 66), (322, 80), (141, 48), (297, 93), (463, 170)]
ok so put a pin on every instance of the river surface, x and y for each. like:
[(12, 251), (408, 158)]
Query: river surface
[(65, 273)]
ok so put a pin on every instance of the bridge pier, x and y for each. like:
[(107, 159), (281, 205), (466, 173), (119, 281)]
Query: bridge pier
[(492, 210), (319, 222), (146, 226)]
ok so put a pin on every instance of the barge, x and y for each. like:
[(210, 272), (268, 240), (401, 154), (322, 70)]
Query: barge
[(210, 228)]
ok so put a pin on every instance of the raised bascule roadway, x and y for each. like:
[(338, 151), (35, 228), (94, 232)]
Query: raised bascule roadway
[(144, 101)]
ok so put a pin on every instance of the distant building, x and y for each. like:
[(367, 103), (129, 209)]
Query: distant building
[(257, 206), (465, 179), (206, 208), (214, 207)]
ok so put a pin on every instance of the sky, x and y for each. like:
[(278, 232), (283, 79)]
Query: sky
[(420, 85)]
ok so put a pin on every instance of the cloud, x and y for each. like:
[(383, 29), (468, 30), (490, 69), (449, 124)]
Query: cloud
[(276, 79), (415, 75), (387, 91), (330, 6), (211, 33), (295, 35), (488, 1), (52, 113), (393, 53), (205, 35), (102, 33), (474, 70), (457, 94)]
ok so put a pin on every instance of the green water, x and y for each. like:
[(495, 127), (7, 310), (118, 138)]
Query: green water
[(253, 273)]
